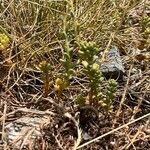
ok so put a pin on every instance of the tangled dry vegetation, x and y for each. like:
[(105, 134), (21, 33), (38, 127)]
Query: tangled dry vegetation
[(42, 74)]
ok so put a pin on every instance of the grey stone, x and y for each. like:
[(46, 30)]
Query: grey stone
[(25, 128), (113, 67)]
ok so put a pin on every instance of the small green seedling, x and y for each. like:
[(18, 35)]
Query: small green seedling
[(59, 86), (110, 94), (46, 70), (81, 101)]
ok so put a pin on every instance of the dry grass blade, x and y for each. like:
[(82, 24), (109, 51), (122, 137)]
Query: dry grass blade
[(123, 96), (3, 121), (134, 138), (26, 137)]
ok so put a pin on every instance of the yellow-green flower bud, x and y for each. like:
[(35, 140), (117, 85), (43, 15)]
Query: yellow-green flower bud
[(4, 41), (85, 64), (95, 67)]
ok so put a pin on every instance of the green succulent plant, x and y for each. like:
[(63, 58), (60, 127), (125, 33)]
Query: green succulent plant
[(4, 41), (88, 51), (45, 67), (88, 56), (67, 63), (110, 94), (145, 23)]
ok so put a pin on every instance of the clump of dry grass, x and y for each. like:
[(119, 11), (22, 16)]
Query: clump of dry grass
[(38, 31)]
